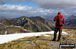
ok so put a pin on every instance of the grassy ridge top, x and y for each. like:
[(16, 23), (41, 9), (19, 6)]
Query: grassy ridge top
[(40, 42)]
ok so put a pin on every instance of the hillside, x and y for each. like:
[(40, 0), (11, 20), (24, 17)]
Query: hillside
[(23, 24), (70, 22), (40, 42), (4, 29), (35, 24)]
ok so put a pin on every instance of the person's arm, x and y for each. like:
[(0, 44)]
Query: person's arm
[(63, 21), (54, 18)]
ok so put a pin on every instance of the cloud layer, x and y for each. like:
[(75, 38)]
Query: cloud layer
[(56, 3), (18, 10), (48, 3)]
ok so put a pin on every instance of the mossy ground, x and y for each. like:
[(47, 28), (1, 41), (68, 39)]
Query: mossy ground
[(39, 42)]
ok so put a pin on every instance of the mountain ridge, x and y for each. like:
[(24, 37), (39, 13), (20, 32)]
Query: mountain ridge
[(70, 22), (34, 24)]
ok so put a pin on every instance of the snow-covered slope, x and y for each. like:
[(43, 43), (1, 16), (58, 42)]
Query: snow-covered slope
[(10, 37)]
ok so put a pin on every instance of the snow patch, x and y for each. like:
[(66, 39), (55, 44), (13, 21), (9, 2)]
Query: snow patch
[(10, 37)]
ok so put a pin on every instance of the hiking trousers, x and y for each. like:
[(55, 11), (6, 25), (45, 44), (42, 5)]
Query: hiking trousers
[(55, 33)]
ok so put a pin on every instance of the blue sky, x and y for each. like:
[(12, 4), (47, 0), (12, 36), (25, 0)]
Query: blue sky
[(29, 4)]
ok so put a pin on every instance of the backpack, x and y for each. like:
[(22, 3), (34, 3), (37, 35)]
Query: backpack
[(58, 22)]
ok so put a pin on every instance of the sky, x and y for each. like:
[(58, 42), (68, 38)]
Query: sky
[(15, 8)]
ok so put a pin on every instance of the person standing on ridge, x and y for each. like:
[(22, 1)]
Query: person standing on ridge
[(58, 26)]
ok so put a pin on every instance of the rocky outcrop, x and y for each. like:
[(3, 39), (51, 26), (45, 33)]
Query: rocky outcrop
[(36, 24), (4, 29)]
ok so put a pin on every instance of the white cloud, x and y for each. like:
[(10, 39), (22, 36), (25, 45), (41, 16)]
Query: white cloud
[(14, 10), (18, 10), (47, 3), (56, 3)]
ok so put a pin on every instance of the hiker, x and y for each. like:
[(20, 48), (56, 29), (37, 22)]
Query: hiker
[(58, 26)]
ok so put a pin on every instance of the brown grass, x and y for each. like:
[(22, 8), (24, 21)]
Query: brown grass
[(39, 42)]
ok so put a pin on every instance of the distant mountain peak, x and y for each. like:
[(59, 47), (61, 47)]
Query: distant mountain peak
[(36, 24), (42, 17)]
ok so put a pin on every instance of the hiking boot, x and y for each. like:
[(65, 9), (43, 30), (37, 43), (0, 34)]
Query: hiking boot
[(58, 40), (53, 40)]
